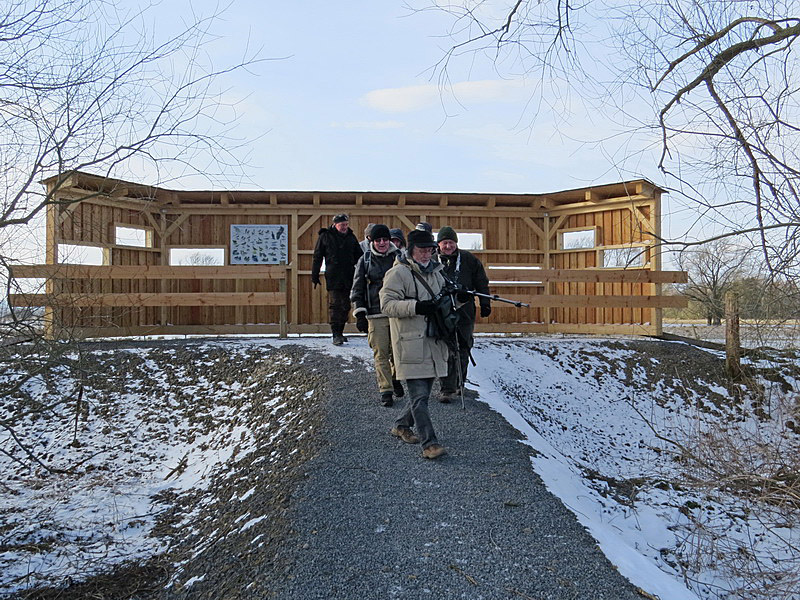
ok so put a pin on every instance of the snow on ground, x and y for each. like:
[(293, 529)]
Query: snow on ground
[(592, 409), (751, 334), (585, 409), (149, 421)]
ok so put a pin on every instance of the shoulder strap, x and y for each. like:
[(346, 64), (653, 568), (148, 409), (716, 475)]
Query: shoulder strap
[(423, 282)]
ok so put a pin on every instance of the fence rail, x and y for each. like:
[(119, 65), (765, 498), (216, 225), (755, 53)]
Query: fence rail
[(63, 276), (76, 288)]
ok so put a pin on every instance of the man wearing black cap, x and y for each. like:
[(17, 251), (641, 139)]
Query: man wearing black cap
[(463, 268), (339, 247), (407, 298)]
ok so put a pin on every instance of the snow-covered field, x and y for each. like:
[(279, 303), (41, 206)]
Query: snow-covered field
[(751, 334), (606, 417)]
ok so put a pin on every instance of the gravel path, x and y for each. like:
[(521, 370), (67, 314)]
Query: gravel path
[(330, 505), (375, 520)]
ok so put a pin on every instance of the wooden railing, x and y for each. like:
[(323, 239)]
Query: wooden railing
[(587, 290), (63, 278), (599, 300)]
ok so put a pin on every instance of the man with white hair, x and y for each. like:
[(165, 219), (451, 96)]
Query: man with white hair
[(407, 297)]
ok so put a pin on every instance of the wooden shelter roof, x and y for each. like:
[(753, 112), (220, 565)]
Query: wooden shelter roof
[(157, 197)]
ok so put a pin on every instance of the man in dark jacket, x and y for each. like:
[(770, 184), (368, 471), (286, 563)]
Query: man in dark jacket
[(339, 247), (463, 268), (367, 282)]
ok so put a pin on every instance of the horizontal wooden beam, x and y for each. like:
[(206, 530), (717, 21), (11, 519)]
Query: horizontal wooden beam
[(144, 299), (568, 301), (588, 275), (311, 329), (65, 271), (159, 330), (582, 329)]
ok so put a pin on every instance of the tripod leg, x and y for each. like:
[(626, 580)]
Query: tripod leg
[(460, 373)]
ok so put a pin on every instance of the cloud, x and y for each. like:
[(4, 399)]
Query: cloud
[(368, 125), (417, 97)]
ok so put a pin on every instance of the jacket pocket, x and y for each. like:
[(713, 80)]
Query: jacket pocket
[(412, 347)]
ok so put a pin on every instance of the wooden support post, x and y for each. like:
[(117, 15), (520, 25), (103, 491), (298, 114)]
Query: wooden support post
[(51, 255), (732, 349), (284, 325), (548, 286), (163, 311), (655, 261), (294, 261)]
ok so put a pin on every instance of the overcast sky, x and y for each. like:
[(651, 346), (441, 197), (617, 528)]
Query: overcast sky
[(351, 102)]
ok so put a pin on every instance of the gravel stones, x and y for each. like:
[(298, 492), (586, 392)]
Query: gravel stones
[(375, 520)]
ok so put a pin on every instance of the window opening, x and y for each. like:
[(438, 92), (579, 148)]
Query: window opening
[(576, 240), (139, 237), (76, 254), (196, 257), (470, 241), (620, 258)]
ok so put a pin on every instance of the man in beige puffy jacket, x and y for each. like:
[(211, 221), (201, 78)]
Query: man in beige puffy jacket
[(419, 358)]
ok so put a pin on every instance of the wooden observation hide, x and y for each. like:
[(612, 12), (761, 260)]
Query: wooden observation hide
[(587, 260)]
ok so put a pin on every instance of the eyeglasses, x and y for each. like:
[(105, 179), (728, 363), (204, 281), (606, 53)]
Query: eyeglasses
[(381, 240)]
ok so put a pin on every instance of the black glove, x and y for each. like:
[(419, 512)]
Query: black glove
[(486, 310), (463, 296), (425, 307), (361, 323), (315, 280)]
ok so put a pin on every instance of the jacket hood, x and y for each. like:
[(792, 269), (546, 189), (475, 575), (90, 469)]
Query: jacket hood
[(392, 249)]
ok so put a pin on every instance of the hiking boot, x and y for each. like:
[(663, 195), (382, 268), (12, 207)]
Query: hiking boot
[(433, 451), (398, 388), (446, 397), (337, 329), (386, 399), (405, 434)]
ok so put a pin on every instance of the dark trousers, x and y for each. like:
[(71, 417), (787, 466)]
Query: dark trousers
[(338, 306), (415, 412), (452, 382)]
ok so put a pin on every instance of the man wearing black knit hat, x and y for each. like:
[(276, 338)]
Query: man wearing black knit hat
[(463, 268), (339, 247), (367, 283)]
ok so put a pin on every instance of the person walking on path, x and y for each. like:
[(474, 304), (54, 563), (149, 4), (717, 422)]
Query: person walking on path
[(463, 268), (407, 297), (398, 239), (367, 236), (338, 246), (367, 282)]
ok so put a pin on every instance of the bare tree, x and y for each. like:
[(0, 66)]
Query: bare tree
[(710, 90), (713, 269), (85, 86), (714, 82)]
